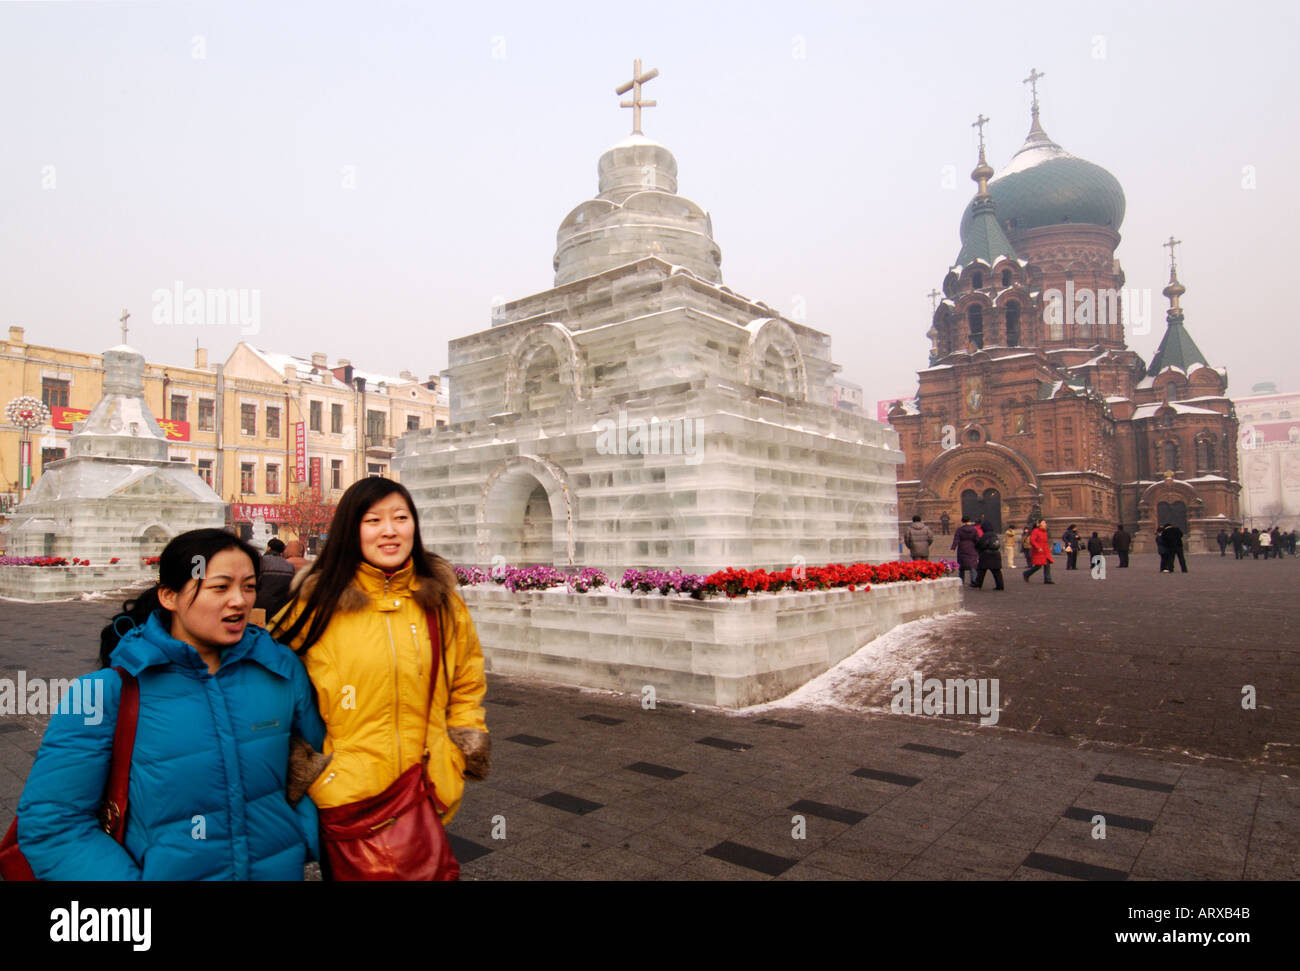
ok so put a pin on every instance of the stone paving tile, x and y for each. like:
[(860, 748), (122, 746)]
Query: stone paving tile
[(613, 863), (707, 868), (803, 870)]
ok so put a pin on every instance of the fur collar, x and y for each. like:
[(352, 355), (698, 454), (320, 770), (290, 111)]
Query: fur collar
[(431, 593)]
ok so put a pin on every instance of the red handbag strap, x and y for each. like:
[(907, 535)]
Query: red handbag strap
[(119, 770), (435, 647)]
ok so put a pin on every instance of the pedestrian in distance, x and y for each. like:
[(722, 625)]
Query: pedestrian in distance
[(917, 538), (944, 521), (1011, 547), (1095, 548), (1238, 541), (293, 555), (1070, 546), (1040, 553), (1265, 542), (1166, 560), (963, 541), (1121, 542), (276, 575), (1173, 537), (1275, 543), (989, 547), (395, 660), (214, 702), (1223, 538), (1254, 542)]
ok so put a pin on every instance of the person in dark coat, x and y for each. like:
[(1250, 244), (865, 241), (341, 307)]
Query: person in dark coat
[(1277, 543), (1166, 561), (277, 574), (963, 541), (918, 538), (1254, 542), (1095, 548), (1223, 538), (1173, 537), (990, 557), (1238, 541), (1121, 542), (1070, 544), (944, 522)]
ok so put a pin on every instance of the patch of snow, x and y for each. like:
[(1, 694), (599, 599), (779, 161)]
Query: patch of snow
[(894, 654)]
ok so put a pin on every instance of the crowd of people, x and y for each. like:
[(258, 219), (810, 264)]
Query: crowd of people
[(1271, 542), (980, 549), (343, 731)]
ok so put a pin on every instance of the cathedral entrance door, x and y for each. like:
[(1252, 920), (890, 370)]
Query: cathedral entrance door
[(1173, 512), (988, 506)]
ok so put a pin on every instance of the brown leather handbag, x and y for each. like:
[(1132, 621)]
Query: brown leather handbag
[(398, 834), (112, 811)]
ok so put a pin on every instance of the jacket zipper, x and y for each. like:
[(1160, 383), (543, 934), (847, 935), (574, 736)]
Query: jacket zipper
[(397, 701)]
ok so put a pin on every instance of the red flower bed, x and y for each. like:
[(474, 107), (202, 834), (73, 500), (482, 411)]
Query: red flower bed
[(855, 576)]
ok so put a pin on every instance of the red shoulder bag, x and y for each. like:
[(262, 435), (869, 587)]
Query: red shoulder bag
[(112, 811)]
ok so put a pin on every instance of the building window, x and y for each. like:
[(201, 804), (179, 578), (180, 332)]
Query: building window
[(313, 416), (336, 473), (52, 455), (1006, 278), (336, 419), (273, 480), (248, 419), (412, 423), (205, 470), (374, 426), (975, 316), (180, 408), (272, 422), (977, 281), (1013, 324), (247, 481), (1204, 455), (375, 469), (441, 423), (207, 415), (54, 392)]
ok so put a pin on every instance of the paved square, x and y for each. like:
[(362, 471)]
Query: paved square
[(1119, 698)]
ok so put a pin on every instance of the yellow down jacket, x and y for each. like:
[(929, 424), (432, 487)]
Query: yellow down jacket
[(371, 672)]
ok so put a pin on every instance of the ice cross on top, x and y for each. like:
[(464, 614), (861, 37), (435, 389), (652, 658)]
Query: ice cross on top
[(636, 104), (122, 320)]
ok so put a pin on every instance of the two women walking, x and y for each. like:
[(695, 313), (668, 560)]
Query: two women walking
[(391, 693)]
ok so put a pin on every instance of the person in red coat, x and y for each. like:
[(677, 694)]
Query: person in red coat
[(1040, 553)]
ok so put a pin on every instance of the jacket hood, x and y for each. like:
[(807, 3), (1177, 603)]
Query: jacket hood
[(150, 645)]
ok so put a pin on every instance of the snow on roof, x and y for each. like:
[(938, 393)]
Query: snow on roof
[(1207, 478), (936, 367), (1117, 397), (1146, 411), (279, 362)]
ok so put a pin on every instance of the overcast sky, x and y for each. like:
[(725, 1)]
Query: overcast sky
[(378, 172)]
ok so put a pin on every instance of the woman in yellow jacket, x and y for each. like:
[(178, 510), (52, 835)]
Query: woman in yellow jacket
[(359, 619)]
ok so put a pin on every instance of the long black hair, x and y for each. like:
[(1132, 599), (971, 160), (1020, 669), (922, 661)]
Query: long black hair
[(319, 592), (177, 566)]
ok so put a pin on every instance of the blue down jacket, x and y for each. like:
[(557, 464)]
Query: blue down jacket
[(207, 792)]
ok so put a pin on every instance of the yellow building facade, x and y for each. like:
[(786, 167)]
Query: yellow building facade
[(236, 423)]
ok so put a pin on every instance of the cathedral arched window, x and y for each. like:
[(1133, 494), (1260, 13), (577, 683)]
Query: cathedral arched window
[(1013, 324), (1169, 456), (977, 280), (1006, 278), (975, 319), (1205, 454)]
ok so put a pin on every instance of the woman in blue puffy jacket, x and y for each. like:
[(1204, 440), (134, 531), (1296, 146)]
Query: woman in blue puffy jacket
[(219, 700)]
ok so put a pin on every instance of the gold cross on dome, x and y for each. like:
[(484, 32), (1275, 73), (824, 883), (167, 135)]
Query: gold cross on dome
[(934, 300), (636, 104), (1173, 262), (979, 123)]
